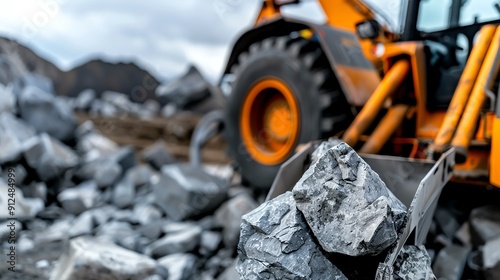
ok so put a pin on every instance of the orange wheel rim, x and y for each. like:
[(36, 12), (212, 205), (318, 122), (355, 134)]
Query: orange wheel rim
[(270, 121)]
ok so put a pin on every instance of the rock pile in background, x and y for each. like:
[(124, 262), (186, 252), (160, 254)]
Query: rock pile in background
[(90, 209)]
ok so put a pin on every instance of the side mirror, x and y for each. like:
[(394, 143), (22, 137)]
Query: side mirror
[(368, 29)]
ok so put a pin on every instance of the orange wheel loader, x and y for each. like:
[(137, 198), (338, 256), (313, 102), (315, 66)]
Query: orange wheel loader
[(411, 79)]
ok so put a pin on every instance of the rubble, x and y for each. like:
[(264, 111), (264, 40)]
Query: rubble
[(413, 262), (184, 191), (84, 100), (46, 113), (275, 243), (209, 242), (228, 216), (25, 208), (347, 206), (7, 99), (89, 258), (93, 145), (82, 225), (13, 134)]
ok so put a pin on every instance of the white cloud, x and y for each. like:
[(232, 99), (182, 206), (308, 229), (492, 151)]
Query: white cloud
[(163, 36)]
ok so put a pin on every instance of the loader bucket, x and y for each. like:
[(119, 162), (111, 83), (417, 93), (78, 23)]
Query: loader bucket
[(417, 183)]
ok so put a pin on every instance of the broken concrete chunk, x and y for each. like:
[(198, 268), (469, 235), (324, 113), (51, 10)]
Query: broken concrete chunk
[(484, 224), (46, 114), (157, 155), (56, 232), (412, 263), (228, 216), (125, 157), (145, 213), (491, 259), (324, 147), (80, 198), (275, 244), (89, 258), (105, 172), (93, 145), (49, 157), (450, 262), (347, 206), (184, 191), (178, 266), (24, 207), (180, 242)]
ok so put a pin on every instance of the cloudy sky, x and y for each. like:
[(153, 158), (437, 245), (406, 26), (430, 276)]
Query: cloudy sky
[(163, 36)]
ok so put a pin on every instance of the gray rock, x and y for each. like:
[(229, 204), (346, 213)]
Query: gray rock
[(35, 190), (13, 134), (157, 155), (180, 242), (79, 199), (123, 193), (154, 277), (412, 263), (151, 230), (84, 99), (38, 81), (187, 90), (56, 232), (178, 266), (446, 221), (10, 230), (82, 225), (88, 258), (125, 157), (347, 206), (25, 208), (450, 262), (275, 244), (139, 175), (103, 214), (92, 144), (25, 244), (324, 147), (7, 99), (184, 191), (115, 231), (209, 242), (46, 113), (145, 213), (463, 234), (230, 273), (228, 216), (175, 227), (19, 172), (49, 157), (491, 259), (104, 171), (484, 224)]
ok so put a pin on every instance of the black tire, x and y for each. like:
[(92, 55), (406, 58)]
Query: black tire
[(304, 68)]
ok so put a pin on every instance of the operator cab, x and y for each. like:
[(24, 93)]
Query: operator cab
[(449, 29)]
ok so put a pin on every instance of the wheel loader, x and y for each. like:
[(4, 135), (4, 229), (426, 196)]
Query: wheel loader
[(415, 88)]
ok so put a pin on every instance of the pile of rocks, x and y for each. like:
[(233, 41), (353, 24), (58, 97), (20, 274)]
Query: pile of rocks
[(111, 216), (337, 223)]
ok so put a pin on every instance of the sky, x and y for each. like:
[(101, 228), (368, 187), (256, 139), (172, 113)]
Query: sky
[(162, 36)]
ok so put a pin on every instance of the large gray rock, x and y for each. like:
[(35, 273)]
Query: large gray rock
[(104, 171), (46, 113), (484, 224), (228, 216), (49, 157), (180, 242), (491, 259), (88, 258), (80, 198), (276, 244), (82, 225), (347, 206), (178, 266), (413, 262), (123, 193), (14, 133), (184, 191), (58, 231)]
